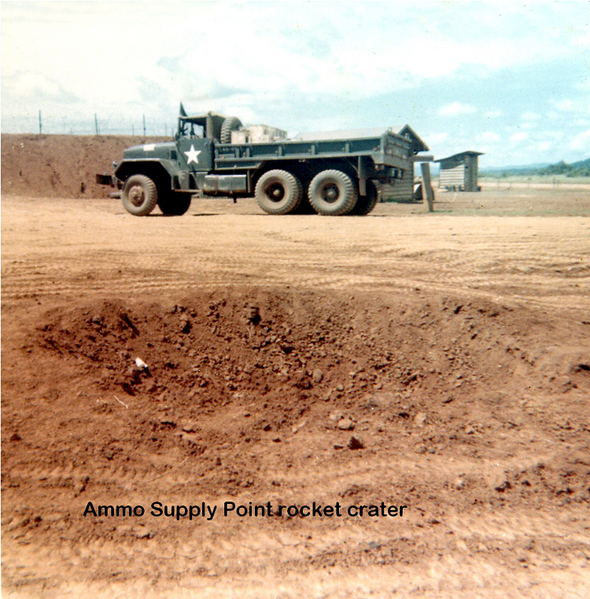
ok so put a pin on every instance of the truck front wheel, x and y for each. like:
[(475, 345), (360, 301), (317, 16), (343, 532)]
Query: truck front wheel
[(332, 193), (139, 195), (278, 192)]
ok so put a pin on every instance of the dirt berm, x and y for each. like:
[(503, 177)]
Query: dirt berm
[(62, 166)]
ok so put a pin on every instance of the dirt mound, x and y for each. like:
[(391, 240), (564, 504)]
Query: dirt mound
[(242, 388), (61, 165), (278, 345)]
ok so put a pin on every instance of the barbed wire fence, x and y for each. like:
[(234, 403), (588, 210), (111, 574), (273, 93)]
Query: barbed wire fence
[(47, 124)]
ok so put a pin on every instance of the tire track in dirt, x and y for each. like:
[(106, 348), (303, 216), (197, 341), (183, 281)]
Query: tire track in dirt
[(570, 280), (361, 552)]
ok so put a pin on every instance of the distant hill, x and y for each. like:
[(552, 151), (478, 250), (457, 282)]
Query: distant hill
[(575, 169), (516, 169)]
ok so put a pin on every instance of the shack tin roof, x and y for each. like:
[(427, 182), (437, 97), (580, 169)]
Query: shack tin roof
[(405, 131), (458, 156)]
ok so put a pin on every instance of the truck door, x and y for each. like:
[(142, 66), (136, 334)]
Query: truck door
[(196, 153)]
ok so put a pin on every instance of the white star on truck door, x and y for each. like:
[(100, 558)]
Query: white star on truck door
[(192, 155)]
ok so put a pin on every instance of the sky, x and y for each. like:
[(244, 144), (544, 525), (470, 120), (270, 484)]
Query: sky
[(511, 80)]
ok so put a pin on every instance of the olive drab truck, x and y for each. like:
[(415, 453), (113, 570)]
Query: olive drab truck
[(332, 174)]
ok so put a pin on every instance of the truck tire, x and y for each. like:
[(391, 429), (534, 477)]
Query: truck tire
[(174, 204), (139, 195), (367, 203), (332, 193), (278, 192), (231, 123)]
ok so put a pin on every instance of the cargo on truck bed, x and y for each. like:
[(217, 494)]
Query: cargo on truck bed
[(331, 173)]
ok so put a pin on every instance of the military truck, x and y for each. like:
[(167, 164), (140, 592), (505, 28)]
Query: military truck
[(213, 155)]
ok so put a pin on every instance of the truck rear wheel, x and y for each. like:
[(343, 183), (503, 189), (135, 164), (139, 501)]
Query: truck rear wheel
[(174, 204), (139, 195), (332, 193), (366, 203), (278, 192)]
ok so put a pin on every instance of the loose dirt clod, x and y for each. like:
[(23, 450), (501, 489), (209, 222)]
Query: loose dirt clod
[(345, 424), (355, 443)]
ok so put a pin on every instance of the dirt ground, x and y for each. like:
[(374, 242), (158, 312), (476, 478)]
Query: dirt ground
[(434, 361)]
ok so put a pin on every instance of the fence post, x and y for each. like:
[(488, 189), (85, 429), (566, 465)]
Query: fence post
[(427, 185)]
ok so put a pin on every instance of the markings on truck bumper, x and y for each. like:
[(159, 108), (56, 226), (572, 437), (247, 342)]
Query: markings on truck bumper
[(192, 155)]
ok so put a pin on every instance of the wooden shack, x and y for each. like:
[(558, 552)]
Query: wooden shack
[(459, 172)]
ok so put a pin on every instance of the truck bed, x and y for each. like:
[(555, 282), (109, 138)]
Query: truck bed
[(387, 149)]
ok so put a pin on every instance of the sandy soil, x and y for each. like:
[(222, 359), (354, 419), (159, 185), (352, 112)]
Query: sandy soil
[(438, 362)]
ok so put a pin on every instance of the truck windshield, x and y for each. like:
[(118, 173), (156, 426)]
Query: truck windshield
[(189, 129)]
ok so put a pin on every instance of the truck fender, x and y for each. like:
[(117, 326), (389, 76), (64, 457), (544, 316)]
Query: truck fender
[(162, 172)]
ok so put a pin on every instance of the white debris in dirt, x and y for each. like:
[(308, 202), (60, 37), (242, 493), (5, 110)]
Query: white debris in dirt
[(140, 364)]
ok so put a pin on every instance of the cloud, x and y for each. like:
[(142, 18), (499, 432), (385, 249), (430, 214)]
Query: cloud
[(521, 136), (581, 142), (25, 95), (582, 40), (565, 105), (270, 48), (493, 114), (456, 109), (437, 138), (530, 116), (27, 87), (488, 136)]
